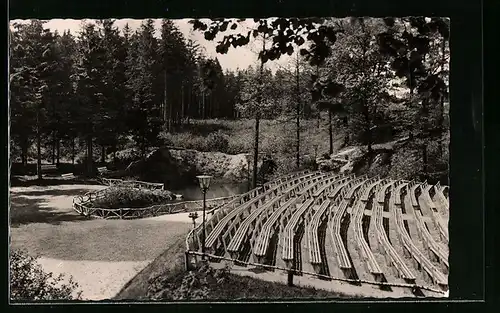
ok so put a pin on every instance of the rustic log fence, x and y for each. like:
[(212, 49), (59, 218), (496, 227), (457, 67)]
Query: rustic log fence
[(83, 204)]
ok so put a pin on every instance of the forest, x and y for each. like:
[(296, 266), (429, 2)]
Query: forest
[(105, 90)]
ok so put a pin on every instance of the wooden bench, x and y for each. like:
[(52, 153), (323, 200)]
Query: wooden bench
[(435, 215), (342, 257), (265, 210), (403, 270), (223, 226), (289, 232), (102, 170), (397, 193), (357, 216), (350, 194), (313, 240), (429, 240), (265, 235), (426, 264), (48, 168), (368, 191)]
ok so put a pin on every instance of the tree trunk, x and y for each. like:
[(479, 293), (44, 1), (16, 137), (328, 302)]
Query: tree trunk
[(90, 159), (257, 119), (73, 151), (165, 112), (345, 121), (330, 130), (24, 152), (298, 113), (38, 145), (58, 151), (256, 149), (53, 147), (182, 103), (103, 154)]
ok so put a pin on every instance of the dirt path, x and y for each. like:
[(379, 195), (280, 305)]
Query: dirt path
[(101, 255)]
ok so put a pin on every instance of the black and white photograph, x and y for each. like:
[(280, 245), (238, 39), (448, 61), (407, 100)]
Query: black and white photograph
[(229, 159)]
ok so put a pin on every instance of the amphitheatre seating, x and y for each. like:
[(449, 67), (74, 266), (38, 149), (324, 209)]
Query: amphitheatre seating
[(366, 194), (317, 219), (262, 241), (350, 194), (435, 215), (307, 197), (240, 205), (357, 217), (396, 260), (413, 186), (440, 197), (312, 234), (287, 253), (322, 193), (342, 256), (397, 192), (424, 262), (263, 211), (428, 240)]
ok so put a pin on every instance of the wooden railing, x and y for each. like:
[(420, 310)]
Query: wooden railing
[(83, 204)]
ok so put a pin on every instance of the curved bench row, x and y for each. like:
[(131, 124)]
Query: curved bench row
[(443, 229), (319, 216), (294, 222), (335, 224), (428, 239), (357, 218), (223, 225), (262, 212), (396, 260), (424, 262)]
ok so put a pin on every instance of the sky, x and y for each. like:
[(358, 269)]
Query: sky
[(240, 57)]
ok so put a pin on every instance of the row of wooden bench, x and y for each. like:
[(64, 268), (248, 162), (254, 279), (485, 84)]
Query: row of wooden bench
[(335, 224), (283, 213), (428, 239), (408, 244), (399, 264), (262, 212), (230, 221), (357, 221), (443, 229), (312, 229), (300, 215)]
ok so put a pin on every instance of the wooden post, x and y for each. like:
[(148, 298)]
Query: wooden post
[(186, 260), (290, 278)]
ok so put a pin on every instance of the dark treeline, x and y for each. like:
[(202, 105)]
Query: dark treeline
[(375, 79)]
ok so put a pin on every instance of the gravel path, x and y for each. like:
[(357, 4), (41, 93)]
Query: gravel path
[(100, 255)]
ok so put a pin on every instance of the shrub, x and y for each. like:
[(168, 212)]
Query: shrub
[(217, 142), (127, 197), (28, 281)]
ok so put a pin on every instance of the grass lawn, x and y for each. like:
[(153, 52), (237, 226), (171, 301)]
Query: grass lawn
[(44, 223)]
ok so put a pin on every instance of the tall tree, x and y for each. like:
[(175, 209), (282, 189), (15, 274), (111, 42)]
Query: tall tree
[(90, 72)]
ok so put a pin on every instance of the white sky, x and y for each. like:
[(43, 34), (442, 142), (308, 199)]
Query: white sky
[(240, 57)]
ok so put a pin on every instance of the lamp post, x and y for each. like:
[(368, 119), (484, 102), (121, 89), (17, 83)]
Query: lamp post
[(204, 184), (248, 157)]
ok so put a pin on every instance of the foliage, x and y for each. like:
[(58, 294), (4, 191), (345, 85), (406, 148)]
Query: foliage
[(29, 282), (206, 282), (127, 197)]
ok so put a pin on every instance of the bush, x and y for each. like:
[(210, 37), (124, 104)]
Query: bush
[(217, 142), (28, 281), (127, 197)]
